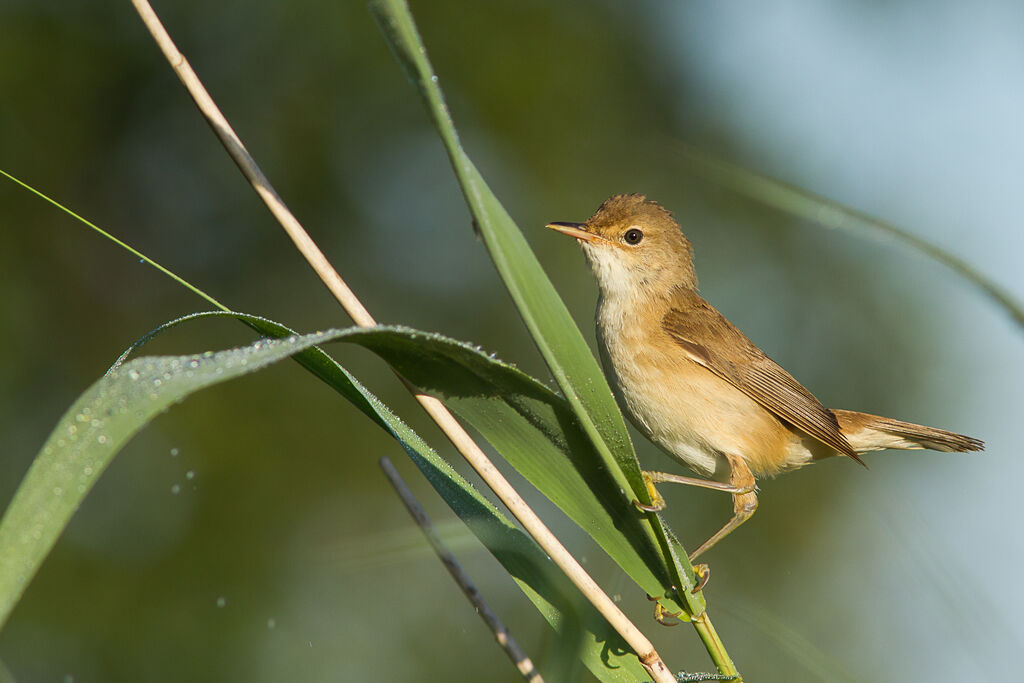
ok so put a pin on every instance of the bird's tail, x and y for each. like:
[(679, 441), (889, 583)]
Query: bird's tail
[(873, 433)]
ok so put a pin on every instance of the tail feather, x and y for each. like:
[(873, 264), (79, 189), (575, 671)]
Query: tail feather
[(873, 433)]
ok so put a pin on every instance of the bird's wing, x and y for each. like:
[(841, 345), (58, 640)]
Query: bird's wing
[(712, 341)]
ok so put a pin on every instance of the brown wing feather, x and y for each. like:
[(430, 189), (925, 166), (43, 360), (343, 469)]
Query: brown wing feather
[(718, 345)]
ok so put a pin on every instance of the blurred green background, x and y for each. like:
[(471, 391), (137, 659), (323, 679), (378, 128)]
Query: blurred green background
[(248, 534)]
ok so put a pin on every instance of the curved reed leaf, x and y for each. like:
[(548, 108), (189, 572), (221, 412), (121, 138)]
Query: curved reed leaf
[(530, 425), (118, 405)]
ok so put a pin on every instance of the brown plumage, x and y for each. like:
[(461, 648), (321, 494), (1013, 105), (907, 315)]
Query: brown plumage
[(697, 386)]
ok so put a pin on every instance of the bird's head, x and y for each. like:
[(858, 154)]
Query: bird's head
[(634, 247)]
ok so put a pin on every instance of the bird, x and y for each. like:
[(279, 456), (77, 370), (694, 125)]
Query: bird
[(695, 385)]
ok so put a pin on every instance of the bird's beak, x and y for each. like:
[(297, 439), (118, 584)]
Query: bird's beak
[(574, 230)]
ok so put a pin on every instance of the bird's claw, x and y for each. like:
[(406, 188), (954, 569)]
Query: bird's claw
[(657, 506), (703, 573), (662, 615), (657, 503)]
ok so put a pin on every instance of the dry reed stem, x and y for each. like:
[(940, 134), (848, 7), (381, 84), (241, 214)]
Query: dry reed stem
[(533, 525)]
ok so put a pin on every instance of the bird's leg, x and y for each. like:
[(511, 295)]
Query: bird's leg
[(744, 502), (741, 485), (658, 503)]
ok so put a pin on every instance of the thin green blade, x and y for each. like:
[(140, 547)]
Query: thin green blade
[(553, 329), (530, 425)]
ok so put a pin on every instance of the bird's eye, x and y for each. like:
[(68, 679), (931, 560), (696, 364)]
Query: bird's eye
[(633, 236)]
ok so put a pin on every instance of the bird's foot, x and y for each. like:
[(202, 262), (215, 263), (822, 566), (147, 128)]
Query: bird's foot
[(657, 503), (662, 615), (703, 573)]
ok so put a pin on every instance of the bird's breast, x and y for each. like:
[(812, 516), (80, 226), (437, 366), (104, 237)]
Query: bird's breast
[(691, 413)]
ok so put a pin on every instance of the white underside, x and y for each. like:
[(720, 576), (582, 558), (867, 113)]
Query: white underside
[(695, 423)]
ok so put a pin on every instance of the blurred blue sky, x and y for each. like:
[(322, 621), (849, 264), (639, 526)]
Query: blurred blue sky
[(911, 112)]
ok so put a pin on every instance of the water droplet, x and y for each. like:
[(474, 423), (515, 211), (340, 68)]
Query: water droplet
[(271, 623), (222, 601), (434, 78), (191, 474), (175, 489), (102, 438), (174, 452)]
